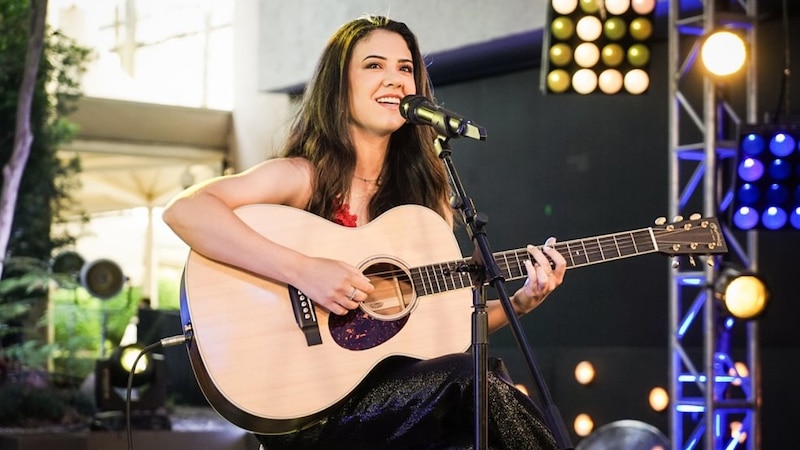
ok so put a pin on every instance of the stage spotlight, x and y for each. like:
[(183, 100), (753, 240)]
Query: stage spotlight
[(743, 293), (767, 179), (723, 53), (148, 382), (597, 46)]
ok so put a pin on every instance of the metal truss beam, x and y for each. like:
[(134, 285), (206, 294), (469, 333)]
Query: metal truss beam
[(709, 392)]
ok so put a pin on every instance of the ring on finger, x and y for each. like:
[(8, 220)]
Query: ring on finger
[(352, 294)]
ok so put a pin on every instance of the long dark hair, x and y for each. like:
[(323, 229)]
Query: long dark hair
[(412, 173)]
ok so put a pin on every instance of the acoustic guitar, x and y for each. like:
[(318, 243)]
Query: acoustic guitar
[(270, 362)]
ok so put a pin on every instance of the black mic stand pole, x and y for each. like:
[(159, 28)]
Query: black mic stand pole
[(483, 257)]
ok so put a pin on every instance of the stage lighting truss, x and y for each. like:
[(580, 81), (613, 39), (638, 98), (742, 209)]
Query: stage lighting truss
[(596, 46), (766, 191)]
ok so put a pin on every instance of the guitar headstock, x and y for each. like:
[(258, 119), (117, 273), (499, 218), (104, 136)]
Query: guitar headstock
[(690, 237)]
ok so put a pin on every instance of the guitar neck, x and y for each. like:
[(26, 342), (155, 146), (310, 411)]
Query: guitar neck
[(435, 278)]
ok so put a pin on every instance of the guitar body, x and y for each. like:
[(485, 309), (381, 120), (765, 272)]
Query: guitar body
[(250, 356)]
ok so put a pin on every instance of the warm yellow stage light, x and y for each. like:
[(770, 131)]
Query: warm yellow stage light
[(723, 53), (584, 81), (610, 81), (128, 356), (744, 294), (745, 297), (589, 28), (584, 372), (636, 81), (587, 54), (565, 6), (583, 425), (659, 399)]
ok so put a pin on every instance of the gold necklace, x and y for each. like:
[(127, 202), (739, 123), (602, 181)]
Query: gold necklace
[(368, 180)]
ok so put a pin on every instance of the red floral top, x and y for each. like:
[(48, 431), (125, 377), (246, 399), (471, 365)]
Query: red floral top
[(343, 216)]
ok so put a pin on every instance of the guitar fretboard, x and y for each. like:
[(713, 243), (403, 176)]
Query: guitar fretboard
[(441, 277)]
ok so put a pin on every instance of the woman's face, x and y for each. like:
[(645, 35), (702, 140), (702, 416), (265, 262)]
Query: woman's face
[(381, 73)]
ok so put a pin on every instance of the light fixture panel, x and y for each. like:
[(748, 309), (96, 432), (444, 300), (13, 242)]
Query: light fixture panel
[(766, 191), (597, 46)]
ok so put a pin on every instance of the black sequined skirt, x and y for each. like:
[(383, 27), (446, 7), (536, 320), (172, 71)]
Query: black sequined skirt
[(424, 405)]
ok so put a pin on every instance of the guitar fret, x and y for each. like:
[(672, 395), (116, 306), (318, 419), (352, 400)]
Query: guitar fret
[(506, 267), (429, 286), (590, 247), (626, 245), (520, 263), (444, 272), (608, 245), (645, 241), (416, 280)]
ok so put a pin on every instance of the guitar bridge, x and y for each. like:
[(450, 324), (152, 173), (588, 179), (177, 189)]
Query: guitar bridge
[(305, 316)]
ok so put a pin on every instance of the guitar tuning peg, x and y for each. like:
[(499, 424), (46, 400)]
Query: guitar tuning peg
[(675, 263), (660, 221), (678, 218), (692, 261), (695, 216), (710, 262)]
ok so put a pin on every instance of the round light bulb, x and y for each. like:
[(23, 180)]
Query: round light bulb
[(562, 28), (659, 399), (638, 55), (641, 28), (587, 54), (589, 6), (558, 81), (613, 55), (564, 6), (583, 425), (636, 81), (584, 372), (723, 53), (561, 54), (615, 28), (617, 7), (610, 81), (584, 81), (589, 28), (643, 6)]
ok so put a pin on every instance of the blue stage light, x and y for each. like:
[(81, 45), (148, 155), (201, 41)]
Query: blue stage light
[(767, 179)]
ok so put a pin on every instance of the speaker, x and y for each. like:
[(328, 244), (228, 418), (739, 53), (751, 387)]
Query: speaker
[(103, 278)]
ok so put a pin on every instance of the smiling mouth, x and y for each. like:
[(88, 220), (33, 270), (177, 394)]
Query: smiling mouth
[(394, 101)]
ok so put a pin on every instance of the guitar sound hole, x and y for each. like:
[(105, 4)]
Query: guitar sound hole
[(393, 295), (382, 315)]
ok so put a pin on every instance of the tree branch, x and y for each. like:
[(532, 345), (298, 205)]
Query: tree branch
[(23, 138)]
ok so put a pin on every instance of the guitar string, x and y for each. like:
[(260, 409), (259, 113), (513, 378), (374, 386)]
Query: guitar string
[(594, 253)]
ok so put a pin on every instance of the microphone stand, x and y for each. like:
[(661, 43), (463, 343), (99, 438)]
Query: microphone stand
[(475, 223)]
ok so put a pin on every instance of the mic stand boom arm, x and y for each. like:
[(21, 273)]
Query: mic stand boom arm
[(475, 224)]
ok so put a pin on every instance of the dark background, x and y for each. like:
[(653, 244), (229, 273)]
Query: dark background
[(576, 166)]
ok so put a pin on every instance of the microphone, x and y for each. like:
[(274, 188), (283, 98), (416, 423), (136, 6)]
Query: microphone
[(418, 110)]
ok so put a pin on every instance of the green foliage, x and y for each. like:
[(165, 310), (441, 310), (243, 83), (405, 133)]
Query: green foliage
[(35, 401), (26, 395)]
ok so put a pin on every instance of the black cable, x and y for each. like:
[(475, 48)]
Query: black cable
[(166, 342)]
